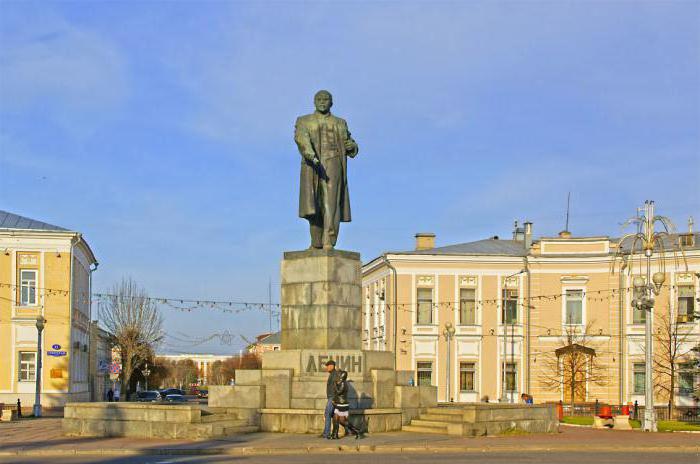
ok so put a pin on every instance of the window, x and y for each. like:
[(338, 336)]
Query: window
[(27, 366), (686, 379), (510, 307), (686, 240), (425, 373), (638, 377), (686, 303), (574, 307), (425, 306), (511, 378), (467, 306), (27, 287), (467, 377)]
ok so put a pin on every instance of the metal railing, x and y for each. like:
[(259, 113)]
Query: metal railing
[(636, 411)]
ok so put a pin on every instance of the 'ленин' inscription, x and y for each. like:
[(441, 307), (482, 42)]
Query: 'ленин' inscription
[(348, 363)]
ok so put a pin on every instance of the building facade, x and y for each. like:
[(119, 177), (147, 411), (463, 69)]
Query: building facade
[(100, 362), (517, 307), (46, 271), (265, 342), (202, 363)]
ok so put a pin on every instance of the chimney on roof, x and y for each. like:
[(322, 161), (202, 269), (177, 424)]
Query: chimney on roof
[(425, 241), (528, 234), (564, 234)]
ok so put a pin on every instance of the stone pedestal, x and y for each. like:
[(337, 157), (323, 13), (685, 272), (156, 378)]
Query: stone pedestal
[(321, 298), (321, 321)]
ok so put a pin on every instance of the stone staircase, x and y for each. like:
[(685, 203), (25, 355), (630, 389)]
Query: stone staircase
[(223, 423), (475, 419), (435, 420)]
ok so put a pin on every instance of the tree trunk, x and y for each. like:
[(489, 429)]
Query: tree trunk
[(127, 367), (671, 394)]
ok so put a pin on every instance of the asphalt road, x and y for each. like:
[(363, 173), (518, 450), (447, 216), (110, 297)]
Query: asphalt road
[(413, 458)]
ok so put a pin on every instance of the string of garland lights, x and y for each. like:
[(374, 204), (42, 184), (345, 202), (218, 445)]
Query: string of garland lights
[(237, 307)]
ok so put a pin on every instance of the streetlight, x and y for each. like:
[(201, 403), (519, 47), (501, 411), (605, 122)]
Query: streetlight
[(146, 372), (40, 323), (449, 333), (646, 239)]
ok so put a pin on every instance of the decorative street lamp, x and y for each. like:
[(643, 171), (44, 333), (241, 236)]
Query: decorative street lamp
[(448, 333), (146, 372), (646, 240), (40, 323)]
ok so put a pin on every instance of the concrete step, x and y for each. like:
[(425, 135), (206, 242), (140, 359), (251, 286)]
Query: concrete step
[(446, 410), (442, 418), (215, 418), (429, 423), (240, 429), (227, 423), (421, 429)]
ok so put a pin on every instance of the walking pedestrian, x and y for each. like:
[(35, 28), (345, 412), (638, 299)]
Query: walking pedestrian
[(110, 395), (341, 411), (330, 391)]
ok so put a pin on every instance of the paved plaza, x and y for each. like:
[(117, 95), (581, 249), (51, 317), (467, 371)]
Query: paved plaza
[(28, 440)]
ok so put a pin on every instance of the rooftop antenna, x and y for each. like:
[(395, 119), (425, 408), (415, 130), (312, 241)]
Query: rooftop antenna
[(568, 206)]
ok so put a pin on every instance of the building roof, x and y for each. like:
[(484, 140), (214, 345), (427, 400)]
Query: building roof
[(490, 246), (272, 339), (14, 221)]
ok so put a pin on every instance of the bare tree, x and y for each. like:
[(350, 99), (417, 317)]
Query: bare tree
[(672, 347), (134, 324), (574, 365)]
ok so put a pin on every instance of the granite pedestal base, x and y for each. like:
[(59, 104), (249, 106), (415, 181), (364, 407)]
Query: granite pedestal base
[(321, 297)]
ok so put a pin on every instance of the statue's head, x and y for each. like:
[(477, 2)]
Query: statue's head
[(323, 100)]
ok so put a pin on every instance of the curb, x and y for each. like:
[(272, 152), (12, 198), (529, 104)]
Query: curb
[(341, 449)]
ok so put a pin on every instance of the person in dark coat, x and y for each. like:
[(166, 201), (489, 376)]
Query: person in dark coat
[(110, 395), (341, 413)]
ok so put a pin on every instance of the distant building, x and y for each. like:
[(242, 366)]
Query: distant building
[(265, 342), (100, 362), (45, 270), (202, 362), (511, 302)]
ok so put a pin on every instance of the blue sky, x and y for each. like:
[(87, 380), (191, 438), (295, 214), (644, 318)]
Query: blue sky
[(163, 130)]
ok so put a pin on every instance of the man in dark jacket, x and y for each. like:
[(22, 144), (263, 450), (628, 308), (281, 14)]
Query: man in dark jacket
[(330, 391)]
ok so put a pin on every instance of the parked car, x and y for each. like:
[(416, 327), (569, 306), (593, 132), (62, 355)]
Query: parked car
[(203, 393), (175, 398), (148, 396), (171, 391)]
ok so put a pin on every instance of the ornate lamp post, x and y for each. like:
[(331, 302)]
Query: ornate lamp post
[(146, 372), (645, 241), (448, 333), (40, 323)]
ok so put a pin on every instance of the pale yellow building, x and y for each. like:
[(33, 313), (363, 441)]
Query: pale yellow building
[(46, 271), (512, 304), (202, 362)]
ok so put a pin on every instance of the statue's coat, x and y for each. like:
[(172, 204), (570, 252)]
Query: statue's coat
[(307, 136)]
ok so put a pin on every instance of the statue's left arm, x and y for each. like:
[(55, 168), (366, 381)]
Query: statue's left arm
[(351, 148)]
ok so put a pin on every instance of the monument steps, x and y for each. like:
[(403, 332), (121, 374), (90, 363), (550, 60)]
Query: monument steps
[(240, 429), (453, 418), (428, 423), (227, 418), (425, 429)]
